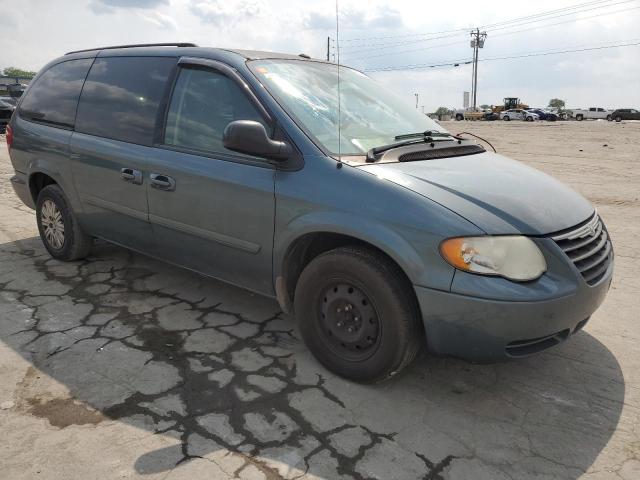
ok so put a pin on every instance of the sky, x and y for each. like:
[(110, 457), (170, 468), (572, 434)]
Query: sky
[(373, 34)]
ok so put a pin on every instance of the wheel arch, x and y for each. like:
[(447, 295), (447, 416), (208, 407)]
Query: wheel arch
[(37, 181), (297, 253)]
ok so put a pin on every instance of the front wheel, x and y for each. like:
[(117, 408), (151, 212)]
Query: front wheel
[(459, 117), (618, 119), (529, 119), (59, 230), (579, 118), (506, 118), (609, 118), (358, 315)]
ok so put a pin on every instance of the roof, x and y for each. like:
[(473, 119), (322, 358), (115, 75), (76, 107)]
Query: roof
[(260, 54)]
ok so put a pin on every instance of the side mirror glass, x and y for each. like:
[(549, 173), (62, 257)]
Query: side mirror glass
[(250, 137)]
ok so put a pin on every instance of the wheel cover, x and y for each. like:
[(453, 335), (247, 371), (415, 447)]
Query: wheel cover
[(349, 323), (52, 224)]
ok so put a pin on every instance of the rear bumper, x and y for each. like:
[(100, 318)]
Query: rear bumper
[(21, 187), (487, 330)]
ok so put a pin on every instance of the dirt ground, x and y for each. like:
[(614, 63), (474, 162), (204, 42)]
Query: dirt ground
[(124, 367)]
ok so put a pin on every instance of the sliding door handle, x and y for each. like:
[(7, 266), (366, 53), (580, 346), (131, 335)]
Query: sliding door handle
[(162, 182), (131, 175)]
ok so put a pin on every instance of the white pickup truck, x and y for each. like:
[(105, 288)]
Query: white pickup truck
[(592, 113)]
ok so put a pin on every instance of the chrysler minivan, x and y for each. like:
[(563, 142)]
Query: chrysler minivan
[(307, 182)]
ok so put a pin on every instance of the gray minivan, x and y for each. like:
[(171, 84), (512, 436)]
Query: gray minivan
[(311, 184)]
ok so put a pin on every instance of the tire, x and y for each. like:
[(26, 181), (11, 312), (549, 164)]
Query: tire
[(59, 230), (529, 118), (506, 118), (609, 118), (618, 119), (459, 117), (579, 118), (360, 289)]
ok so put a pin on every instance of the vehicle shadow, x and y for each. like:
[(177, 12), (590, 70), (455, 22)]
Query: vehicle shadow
[(222, 372)]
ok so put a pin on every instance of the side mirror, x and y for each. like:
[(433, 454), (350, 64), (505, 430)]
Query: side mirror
[(250, 137)]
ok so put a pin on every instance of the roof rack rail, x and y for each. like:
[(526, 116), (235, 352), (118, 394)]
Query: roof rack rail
[(134, 46)]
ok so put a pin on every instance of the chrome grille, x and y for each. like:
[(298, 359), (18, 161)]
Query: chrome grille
[(589, 248)]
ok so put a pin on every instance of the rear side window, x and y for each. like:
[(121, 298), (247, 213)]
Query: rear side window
[(121, 97), (53, 98), (204, 102)]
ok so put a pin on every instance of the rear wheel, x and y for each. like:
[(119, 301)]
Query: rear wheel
[(59, 230), (579, 118), (358, 315), (506, 118), (529, 118)]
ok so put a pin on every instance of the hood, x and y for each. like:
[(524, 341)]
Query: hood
[(497, 194)]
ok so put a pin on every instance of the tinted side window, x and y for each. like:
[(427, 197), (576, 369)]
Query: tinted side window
[(53, 99), (121, 97), (204, 102)]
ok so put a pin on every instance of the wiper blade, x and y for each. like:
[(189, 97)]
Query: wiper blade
[(428, 133), (407, 139)]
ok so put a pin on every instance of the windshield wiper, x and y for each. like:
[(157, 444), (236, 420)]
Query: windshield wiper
[(407, 139), (428, 133)]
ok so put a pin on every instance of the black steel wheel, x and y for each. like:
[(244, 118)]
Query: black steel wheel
[(350, 323), (358, 314)]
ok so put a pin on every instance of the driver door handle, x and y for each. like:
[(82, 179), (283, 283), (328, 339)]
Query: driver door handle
[(131, 175), (162, 182)]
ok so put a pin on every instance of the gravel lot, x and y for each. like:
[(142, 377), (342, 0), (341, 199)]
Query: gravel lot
[(123, 367)]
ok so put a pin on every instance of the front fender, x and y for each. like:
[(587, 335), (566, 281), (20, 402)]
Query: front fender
[(377, 234)]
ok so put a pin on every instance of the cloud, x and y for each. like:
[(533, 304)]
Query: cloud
[(109, 6), (383, 18), (162, 21), (8, 19), (224, 13)]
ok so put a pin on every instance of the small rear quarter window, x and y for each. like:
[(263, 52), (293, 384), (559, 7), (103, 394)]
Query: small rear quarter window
[(53, 98)]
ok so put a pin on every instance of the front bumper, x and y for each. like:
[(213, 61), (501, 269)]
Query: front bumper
[(487, 330)]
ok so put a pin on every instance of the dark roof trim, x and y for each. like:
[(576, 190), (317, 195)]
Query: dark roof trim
[(114, 47)]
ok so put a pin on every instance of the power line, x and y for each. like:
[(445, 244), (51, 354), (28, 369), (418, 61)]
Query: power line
[(397, 52), (557, 11), (466, 29), (452, 63), (406, 35), (360, 48), (518, 24)]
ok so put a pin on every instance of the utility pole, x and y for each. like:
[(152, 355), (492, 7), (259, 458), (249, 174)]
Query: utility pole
[(477, 42), (328, 47), (417, 96)]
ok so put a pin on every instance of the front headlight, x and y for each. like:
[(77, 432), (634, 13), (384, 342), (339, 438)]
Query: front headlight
[(513, 257)]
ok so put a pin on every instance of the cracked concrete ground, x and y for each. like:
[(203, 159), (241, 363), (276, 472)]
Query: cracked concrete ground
[(120, 366)]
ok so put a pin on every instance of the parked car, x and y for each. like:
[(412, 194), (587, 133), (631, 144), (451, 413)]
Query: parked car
[(518, 114), (7, 106), (551, 117), (469, 114), (625, 114), (592, 113), (376, 233)]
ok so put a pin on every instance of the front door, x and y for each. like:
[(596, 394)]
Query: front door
[(211, 209)]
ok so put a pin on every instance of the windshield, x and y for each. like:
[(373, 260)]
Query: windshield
[(370, 116)]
